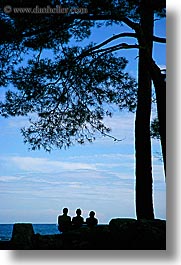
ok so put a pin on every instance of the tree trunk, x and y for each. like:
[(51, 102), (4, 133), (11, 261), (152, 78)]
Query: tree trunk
[(160, 90), (144, 201)]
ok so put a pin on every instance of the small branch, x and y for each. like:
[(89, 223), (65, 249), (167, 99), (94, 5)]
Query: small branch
[(159, 39), (117, 47), (38, 56), (112, 137), (107, 135)]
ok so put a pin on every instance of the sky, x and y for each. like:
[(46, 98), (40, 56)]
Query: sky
[(35, 185)]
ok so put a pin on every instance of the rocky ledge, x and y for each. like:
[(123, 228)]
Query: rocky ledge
[(119, 234)]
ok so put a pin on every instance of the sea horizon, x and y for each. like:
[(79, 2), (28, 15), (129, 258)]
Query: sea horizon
[(43, 229)]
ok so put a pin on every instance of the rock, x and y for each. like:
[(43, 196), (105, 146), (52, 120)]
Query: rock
[(97, 237), (5, 245), (138, 234), (45, 242), (118, 224), (22, 236), (120, 234)]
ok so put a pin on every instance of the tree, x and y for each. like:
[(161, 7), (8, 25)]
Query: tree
[(87, 105), (159, 80), (144, 204)]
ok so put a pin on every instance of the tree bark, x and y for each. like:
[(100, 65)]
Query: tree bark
[(160, 90), (144, 190)]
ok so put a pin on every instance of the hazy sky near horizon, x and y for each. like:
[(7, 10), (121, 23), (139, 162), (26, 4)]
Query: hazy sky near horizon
[(36, 185)]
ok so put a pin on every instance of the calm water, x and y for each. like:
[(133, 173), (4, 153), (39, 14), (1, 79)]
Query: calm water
[(43, 229)]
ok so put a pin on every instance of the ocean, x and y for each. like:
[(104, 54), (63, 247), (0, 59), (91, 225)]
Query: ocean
[(43, 229)]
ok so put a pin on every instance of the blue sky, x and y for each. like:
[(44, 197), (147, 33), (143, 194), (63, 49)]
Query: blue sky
[(36, 185)]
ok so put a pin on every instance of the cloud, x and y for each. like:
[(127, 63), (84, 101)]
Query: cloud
[(80, 163), (9, 178), (123, 121), (122, 128), (106, 160), (45, 165)]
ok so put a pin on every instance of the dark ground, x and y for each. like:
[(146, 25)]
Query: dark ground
[(119, 234)]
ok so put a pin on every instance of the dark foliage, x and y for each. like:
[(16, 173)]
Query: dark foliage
[(65, 85), (155, 129), (68, 93)]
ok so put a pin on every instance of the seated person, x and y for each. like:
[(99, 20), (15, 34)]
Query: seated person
[(78, 220), (91, 221), (64, 221)]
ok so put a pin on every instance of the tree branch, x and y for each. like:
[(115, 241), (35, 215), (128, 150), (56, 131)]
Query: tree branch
[(130, 24), (106, 134), (114, 37), (117, 47), (120, 46), (124, 34), (39, 54), (159, 39)]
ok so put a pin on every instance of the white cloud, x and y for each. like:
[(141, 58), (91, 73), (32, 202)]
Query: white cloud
[(108, 160), (9, 178), (93, 163), (121, 122), (45, 165), (122, 128)]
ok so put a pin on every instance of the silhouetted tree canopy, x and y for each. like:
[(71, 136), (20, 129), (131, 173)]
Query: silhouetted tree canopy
[(69, 96), (69, 92)]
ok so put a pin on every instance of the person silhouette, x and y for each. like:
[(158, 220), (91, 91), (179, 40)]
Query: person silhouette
[(78, 220), (91, 221), (64, 221)]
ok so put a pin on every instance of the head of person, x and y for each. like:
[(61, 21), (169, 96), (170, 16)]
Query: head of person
[(92, 214), (78, 212), (65, 211)]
